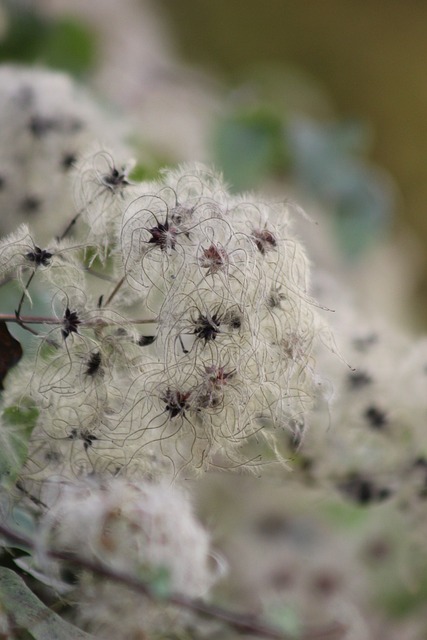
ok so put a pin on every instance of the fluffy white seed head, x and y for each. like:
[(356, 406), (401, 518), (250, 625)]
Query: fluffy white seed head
[(141, 529), (47, 122), (229, 357)]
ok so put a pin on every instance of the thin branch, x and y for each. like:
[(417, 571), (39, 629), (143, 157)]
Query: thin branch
[(10, 317), (36, 501), (33, 332), (243, 623), (114, 291), (21, 302), (98, 274), (69, 226), (19, 321)]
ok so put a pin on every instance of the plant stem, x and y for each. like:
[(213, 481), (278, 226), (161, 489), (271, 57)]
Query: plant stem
[(21, 302), (115, 290), (10, 317), (69, 227), (246, 623)]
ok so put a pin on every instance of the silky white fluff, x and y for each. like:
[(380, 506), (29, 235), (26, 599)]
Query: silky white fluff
[(137, 528)]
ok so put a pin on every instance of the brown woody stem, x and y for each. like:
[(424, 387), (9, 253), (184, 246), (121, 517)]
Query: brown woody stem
[(242, 622), (10, 317)]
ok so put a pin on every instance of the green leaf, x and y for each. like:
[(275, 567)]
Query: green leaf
[(30, 565), (23, 416), (327, 161), (141, 172), (157, 579), (342, 514), (400, 601), (17, 519), (29, 613), (69, 46), (66, 44), (285, 619), (25, 32), (249, 146), (17, 424)]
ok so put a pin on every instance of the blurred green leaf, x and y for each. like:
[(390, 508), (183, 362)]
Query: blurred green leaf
[(343, 514), (141, 172), (29, 613), (248, 146), (16, 519), (31, 566), (20, 520), (327, 161), (400, 600), (66, 44), (158, 580), (285, 619), (69, 46), (16, 427), (23, 416), (26, 30)]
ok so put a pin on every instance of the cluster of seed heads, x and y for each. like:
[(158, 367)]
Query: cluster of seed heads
[(228, 361)]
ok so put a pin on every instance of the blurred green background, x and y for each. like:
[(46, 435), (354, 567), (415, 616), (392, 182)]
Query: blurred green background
[(329, 96), (369, 56)]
